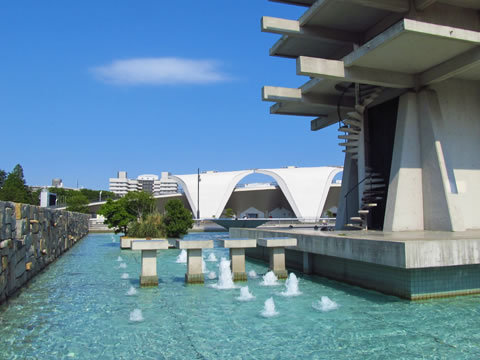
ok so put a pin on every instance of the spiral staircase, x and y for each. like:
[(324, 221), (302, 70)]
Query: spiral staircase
[(374, 188)]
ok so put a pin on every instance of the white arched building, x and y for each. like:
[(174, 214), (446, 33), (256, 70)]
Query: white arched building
[(306, 189)]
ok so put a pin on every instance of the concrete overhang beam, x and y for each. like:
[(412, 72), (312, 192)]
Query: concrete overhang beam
[(411, 47), (292, 28), (283, 94), (335, 69), (456, 66)]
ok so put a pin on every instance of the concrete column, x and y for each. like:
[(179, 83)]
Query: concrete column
[(307, 263), (149, 268), (237, 257), (349, 180), (149, 249), (277, 253), (277, 262), (439, 185), (404, 209), (194, 273)]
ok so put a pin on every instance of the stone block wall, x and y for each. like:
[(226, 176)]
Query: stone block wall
[(32, 237)]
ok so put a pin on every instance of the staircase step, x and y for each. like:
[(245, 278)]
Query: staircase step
[(355, 115), (353, 122), (348, 137), (356, 226), (374, 181), (363, 211), (374, 192), (356, 218), (349, 130), (349, 143), (360, 108), (355, 156), (369, 205)]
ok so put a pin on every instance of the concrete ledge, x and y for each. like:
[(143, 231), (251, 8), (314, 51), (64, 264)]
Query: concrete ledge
[(238, 243), (194, 278), (126, 242), (149, 245), (148, 281), (277, 242), (194, 244)]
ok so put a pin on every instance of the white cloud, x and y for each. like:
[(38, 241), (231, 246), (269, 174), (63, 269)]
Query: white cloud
[(159, 71)]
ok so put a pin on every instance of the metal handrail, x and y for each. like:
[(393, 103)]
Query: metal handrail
[(353, 188)]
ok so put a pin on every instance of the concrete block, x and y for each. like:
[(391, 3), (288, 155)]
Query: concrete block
[(126, 242), (149, 245), (238, 243), (277, 242), (28, 266), (194, 244)]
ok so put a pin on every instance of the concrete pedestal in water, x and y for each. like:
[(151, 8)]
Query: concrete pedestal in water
[(194, 273), (237, 255), (277, 253), (126, 242), (149, 249)]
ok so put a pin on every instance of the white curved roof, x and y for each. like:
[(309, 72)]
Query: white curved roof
[(306, 189)]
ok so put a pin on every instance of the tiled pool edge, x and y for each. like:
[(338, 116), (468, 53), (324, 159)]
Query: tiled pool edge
[(414, 283)]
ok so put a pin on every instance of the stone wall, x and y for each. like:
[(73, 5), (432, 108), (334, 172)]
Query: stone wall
[(32, 237)]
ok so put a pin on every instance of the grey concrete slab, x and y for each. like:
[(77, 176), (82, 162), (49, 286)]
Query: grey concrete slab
[(277, 241), (238, 243), (194, 244), (408, 250), (149, 245)]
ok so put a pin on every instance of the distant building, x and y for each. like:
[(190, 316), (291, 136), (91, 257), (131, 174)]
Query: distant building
[(58, 183), (150, 183)]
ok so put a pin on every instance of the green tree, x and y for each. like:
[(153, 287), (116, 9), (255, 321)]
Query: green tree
[(18, 171), (78, 203), (116, 215), (228, 213), (3, 176), (139, 203), (177, 219), (14, 188)]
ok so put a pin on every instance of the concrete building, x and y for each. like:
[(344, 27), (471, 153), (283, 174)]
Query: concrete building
[(121, 185), (401, 78), (303, 191), (404, 78)]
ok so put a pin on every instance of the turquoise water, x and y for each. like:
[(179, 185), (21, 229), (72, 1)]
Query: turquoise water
[(78, 309)]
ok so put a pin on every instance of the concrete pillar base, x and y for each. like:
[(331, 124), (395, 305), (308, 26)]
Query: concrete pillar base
[(281, 274), (194, 278), (307, 263), (148, 281), (125, 243), (240, 276)]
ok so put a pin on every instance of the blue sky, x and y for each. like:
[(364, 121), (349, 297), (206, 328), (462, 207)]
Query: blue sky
[(88, 88)]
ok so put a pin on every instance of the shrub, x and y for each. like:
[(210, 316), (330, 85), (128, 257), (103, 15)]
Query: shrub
[(151, 226), (177, 219)]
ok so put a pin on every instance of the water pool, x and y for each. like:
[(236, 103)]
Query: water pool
[(80, 308)]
